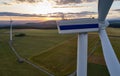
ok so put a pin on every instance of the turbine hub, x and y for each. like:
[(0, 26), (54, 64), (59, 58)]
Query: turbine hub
[(103, 24)]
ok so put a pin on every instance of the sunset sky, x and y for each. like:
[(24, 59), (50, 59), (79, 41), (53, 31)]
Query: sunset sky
[(38, 9)]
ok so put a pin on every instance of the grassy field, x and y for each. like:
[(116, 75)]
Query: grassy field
[(8, 63), (37, 41), (54, 52)]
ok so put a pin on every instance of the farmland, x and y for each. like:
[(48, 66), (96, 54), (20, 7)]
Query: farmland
[(53, 52)]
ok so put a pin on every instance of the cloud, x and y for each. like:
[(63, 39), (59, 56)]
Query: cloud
[(81, 14), (65, 1), (90, 0), (117, 10), (59, 2), (28, 1), (56, 1), (5, 3), (17, 14), (74, 15), (87, 13), (73, 1)]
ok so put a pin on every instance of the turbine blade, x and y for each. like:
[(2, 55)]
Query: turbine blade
[(109, 55), (103, 8)]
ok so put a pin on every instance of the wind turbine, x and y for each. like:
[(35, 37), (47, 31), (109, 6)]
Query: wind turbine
[(11, 21), (62, 16), (20, 60), (83, 26)]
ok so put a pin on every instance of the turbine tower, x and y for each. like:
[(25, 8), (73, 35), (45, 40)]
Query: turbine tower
[(11, 21), (62, 16), (85, 25)]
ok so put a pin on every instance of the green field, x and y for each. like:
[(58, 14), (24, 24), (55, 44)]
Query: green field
[(8, 63), (53, 52)]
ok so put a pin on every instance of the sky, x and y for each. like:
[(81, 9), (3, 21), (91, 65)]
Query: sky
[(39, 9)]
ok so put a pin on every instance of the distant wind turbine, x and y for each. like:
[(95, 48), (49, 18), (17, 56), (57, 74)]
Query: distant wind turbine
[(20, 59), (11, 21), (63, 16)]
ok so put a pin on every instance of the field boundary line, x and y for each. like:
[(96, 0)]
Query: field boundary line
[(54, 46)]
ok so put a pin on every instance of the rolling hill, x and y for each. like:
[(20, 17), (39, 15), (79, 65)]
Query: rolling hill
[(45, 25), (33, 25)]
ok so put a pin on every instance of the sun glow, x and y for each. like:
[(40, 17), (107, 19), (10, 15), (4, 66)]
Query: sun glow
[(43, 7)]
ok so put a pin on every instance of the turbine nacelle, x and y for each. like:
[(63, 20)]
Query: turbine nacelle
[(81, 25), (78, 25)]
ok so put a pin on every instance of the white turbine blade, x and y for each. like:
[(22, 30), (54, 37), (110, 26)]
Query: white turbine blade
[(109, 55), (103, 8)]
